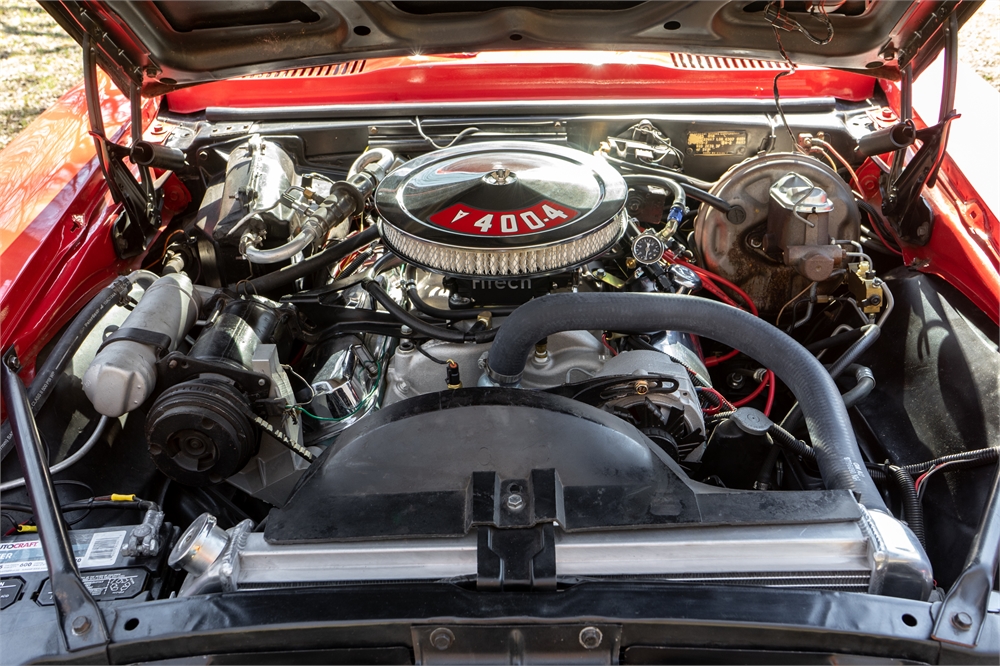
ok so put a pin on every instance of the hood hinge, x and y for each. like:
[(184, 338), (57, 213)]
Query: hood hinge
[(140, 198), (902, 200)]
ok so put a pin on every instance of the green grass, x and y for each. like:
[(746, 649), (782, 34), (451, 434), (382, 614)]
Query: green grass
[(38, 63)]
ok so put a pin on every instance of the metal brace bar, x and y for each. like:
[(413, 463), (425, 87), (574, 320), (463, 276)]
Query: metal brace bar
[(963, 613), (80, 619)]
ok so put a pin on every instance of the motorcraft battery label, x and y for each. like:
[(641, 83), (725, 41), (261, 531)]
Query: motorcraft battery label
[(91, 549)]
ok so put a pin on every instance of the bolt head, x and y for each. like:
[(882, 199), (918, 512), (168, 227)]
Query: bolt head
[(81, 625), (515, 502), (261, 382), (591, 637), (442, 638), (962, 621), (172, 365)]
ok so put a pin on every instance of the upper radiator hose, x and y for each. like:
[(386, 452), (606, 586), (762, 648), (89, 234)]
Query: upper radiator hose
[(837, 454)]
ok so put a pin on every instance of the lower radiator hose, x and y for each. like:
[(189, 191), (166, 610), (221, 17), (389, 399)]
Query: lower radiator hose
[(837, 455)]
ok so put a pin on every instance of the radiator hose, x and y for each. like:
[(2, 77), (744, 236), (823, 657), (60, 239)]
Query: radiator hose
[(837, 455)]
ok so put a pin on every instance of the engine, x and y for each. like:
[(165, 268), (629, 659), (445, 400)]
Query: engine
[(518, 358)]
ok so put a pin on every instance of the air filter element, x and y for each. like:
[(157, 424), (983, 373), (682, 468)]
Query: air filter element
[(501, 209)]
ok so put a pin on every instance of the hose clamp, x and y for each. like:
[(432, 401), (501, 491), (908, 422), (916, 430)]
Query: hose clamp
[(121, 287), (501, 379), (864, 373)]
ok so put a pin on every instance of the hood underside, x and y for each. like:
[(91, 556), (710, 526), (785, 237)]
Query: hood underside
[(161, 45)]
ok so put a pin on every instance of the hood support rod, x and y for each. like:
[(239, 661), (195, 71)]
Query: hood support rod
[(80, 619)]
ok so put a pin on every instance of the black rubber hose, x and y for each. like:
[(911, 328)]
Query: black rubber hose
[(840, 462), (441, 313), (862, 390), (764, 478), (788, 441), (664, 173), (421, 326), (271, 282), (675, 188), (67, 345), (869, 334), (913, 513), (704, 197), (834, 340), (693, 188), (865, 385), (454, 315)]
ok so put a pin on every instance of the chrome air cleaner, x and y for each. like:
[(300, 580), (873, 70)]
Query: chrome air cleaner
[(501, 209)]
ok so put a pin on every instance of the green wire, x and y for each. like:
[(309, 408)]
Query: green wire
[(361, 405), (321, 418)]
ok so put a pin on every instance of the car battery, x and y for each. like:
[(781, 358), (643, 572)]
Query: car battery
[(108, 574)]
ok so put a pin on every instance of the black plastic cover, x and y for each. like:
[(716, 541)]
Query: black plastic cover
[(441, 463)]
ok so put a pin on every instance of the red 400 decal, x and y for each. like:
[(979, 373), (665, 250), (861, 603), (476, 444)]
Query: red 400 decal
[(473, 221)]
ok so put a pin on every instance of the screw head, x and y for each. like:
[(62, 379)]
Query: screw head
[(81, 625), (261, 382), (591, 637), (515, 502), (442, 638), (962, 621)]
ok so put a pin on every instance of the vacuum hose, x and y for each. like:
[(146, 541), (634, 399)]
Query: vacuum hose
[(837, 455)]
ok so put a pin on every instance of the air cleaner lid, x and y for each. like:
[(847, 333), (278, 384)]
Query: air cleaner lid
[(455, 209)]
